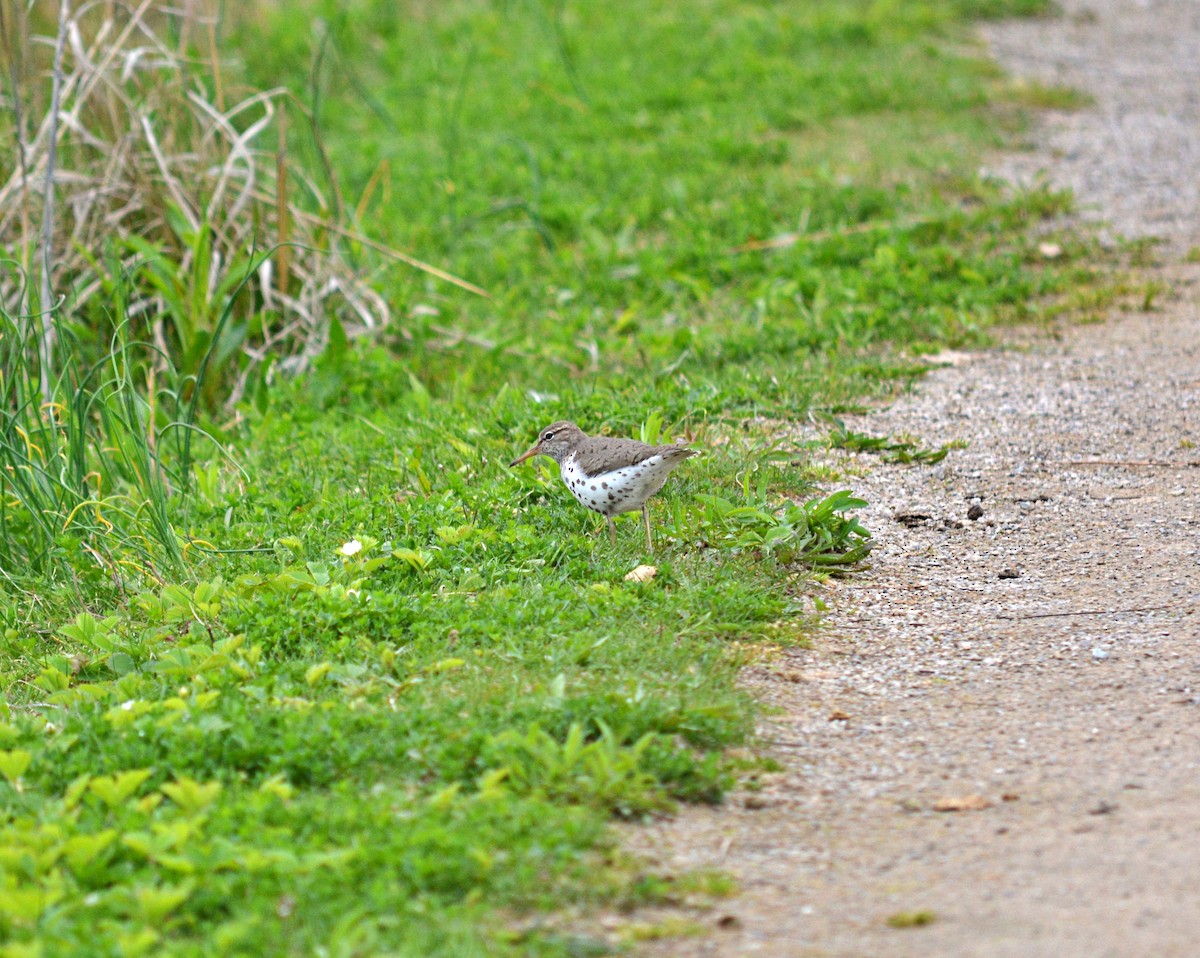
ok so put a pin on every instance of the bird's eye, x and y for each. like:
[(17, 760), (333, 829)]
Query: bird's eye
[(547, 437)]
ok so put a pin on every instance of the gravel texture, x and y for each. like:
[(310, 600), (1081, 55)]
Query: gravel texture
[(1133, 159), (1026, 645)]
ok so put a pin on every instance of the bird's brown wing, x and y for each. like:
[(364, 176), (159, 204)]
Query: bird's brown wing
[(606, 453)]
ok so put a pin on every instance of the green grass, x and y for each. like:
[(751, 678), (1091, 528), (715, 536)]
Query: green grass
[(1043, 97), (407, 747)]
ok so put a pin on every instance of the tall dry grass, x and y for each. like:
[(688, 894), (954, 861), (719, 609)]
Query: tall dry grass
[(129, 153)]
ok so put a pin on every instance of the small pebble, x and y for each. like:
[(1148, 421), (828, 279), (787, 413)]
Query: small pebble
[(1098, 654), (975, 512)]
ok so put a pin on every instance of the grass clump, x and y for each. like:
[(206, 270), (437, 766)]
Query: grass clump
[(1043, 97), (888, 448), (911, 919), (83, 488), (389, 693)]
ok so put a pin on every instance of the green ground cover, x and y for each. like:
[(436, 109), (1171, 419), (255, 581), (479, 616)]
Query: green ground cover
[(390, 693)]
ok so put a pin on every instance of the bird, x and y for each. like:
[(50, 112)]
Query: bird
[(606, 474)]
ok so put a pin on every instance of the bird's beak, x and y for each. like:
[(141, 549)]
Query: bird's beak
[(520, 459)]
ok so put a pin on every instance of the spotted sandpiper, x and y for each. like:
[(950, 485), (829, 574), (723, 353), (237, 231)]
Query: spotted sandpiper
[(608, 475)]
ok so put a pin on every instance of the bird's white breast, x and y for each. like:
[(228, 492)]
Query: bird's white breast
[(621, 490)]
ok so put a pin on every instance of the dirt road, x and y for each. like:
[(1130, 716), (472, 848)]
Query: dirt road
[(1041, 660)]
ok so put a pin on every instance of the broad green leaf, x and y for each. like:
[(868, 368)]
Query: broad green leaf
[(80, 850), (190, 795), (14, 763), (157, 901), (114, 790), (315, 673)]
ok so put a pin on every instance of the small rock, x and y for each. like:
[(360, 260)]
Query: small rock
[(1103, 808), (837, 715), (643, 573), (962, 803), (975, 512), (1009, 574), (1098, 654), (729, 922)]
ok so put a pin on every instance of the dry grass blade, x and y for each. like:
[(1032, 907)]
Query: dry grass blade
[(46, 334)]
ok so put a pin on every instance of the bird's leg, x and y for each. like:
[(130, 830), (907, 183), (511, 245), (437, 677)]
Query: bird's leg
[(612, 530), (646, 521)]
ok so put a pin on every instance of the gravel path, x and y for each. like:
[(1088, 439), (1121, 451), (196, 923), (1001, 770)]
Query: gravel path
[(1041, 660)]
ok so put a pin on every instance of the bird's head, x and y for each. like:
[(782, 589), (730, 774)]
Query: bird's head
[(556, 441)]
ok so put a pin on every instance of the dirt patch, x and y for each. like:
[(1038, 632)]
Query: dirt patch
[(1025, 652)]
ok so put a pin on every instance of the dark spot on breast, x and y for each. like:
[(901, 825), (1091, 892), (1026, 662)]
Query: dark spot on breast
[(604, 485)]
